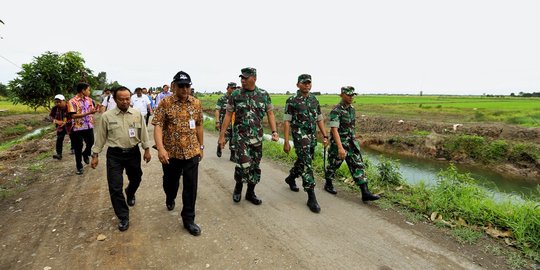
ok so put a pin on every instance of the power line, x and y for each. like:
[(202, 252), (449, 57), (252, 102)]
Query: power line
[(11, 62)]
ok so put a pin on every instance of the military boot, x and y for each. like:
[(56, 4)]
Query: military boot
[(292, 183), (312, 201), (366, 195), (237, 193), (250, 195), (233, 156), (329, 187)]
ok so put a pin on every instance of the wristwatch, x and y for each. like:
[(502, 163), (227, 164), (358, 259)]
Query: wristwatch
[(202, 146)]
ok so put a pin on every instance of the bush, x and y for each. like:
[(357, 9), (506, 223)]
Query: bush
[(524, 152), (471, 145), (389, 174), (497, 151)]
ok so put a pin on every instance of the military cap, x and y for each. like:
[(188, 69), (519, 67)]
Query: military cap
[(231, 84), (248, 72), (304, 78), (348, 90)]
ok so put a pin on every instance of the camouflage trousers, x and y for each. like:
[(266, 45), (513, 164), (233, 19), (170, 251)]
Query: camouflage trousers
[(305, 151), (248, 159), (354, 162)]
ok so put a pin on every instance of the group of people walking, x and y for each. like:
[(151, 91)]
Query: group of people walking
[(179, 140), (301, 118)]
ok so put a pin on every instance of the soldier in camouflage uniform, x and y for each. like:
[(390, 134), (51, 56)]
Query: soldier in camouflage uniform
[(343, 145), (249, 104), (302, 116), (221, 110)]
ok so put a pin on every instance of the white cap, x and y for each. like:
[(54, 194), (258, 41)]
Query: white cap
[(60, 97)]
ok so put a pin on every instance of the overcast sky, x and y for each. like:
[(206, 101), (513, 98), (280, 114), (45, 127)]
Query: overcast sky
[(450, 47)]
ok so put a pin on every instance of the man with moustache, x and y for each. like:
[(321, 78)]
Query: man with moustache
[(178, 134), (122, 129), (302, 116), (249, 105)]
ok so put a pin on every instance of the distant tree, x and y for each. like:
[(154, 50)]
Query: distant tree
[(101, 80), (287, 93), (512, 94), (47, 75), (3, 90)]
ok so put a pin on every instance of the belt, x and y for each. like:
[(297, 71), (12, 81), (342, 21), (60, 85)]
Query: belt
[(124, 150)]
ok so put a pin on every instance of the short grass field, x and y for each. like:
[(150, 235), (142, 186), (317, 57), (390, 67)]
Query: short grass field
[(8, 108), (519, 111)]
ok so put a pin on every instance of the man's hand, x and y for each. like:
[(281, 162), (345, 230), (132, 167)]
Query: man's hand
[(286, 147), (218, 126), (59, 122), (147, 157), (221, 141), (275, 136), (202, 155), (342, 153), (325, 142), (163, 156), (94, 162)]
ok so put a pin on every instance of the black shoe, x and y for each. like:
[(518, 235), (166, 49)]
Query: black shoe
[(366, 195), (312, 202), (59, 157), (86, 159), (218, 151), (170, 205), (193, 228), (329, 187), (250, 195), (123, 225), (233, 156), (79, 172), (130, 199), (292, 183), (237, 193)]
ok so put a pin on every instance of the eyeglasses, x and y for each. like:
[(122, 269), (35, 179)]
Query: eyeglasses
[(183, 86)]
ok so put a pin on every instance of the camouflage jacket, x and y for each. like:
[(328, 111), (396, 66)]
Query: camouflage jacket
[(221, 105), (249, 107), (343, 118), (303, 113)]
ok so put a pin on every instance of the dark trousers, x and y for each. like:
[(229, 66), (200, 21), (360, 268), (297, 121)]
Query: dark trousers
[(189, 169), (117, 161), (60, 135), (147, 117), (77, 139)]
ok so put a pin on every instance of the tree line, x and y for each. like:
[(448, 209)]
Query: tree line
[(49, 74)]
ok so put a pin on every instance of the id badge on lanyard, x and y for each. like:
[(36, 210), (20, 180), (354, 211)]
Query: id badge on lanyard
[(191, 121)]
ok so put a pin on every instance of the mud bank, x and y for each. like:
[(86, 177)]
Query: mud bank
[(437, 141)]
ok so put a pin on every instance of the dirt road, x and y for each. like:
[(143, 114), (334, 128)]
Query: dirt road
[(56, 223)]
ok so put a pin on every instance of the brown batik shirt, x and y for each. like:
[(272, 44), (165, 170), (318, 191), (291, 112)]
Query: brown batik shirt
[(173, 115)]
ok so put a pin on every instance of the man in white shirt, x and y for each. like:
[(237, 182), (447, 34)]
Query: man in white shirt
[(163, 94), (141, 103), (108, 102)]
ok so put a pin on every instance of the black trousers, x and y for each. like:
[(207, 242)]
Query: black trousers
[(189, 169), (60, 135), (117, 161), (77, 139)]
